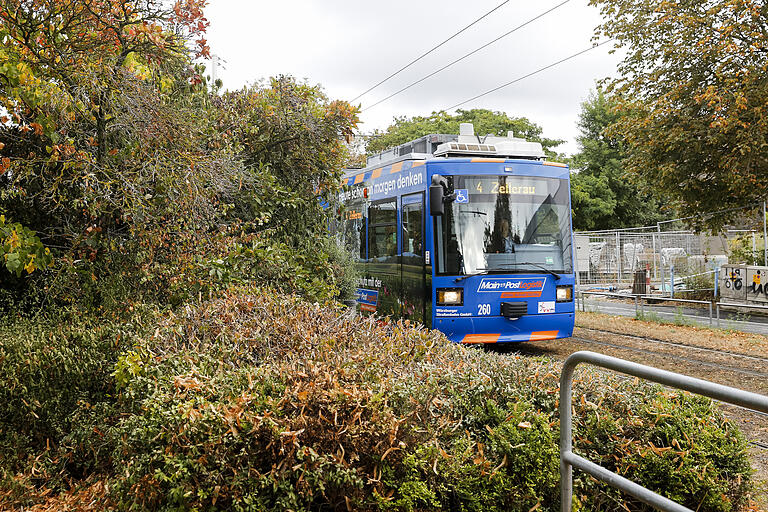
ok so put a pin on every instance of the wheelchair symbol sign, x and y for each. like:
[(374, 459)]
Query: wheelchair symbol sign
[(462, 195)]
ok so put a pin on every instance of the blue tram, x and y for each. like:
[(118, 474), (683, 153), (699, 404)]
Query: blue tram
[(466, 234)]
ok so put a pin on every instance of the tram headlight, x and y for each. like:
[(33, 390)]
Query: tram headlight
[(450, 296), (564, 293)]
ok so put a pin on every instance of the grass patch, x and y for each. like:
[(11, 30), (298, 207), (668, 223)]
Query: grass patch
[(679, 318)]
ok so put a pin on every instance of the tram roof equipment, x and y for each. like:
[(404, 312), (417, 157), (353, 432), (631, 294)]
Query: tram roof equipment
[(466, 143)]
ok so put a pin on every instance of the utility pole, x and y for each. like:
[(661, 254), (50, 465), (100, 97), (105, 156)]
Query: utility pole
[(661, 259), (765, 237)]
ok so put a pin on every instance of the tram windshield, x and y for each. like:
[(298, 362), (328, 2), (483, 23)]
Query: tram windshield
[(505, 224)]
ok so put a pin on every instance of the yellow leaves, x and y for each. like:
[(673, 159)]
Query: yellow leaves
[(13, 241), (30, 266), (136, 65), (166, 85)]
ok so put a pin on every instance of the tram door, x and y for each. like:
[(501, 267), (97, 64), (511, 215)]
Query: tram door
[(412, 270)]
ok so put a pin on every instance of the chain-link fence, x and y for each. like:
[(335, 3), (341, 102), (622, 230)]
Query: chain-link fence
[(611, 259)]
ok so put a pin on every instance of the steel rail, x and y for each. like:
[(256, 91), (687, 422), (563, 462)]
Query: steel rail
[(758, 444), (672, 356), (681, 345)]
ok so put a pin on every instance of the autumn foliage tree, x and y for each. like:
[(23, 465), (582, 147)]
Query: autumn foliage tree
[(292, 137), (119, 158), (87, 90), (694, 98)]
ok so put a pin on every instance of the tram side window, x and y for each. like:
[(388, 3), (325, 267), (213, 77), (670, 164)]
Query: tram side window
[(450, 259), (362, 234), (354, 234), (382, 241), (353, 231), (412, 242)]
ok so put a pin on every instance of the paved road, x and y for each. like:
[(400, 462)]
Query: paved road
[(728, 320)]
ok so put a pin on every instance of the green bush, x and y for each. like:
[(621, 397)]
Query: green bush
[(319, 270), (261, 401), (258, 400), (56, 393)]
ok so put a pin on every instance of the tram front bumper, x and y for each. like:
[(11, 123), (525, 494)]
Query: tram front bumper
[(497, 329)]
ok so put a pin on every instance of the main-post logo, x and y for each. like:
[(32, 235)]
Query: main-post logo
[(511, 288)]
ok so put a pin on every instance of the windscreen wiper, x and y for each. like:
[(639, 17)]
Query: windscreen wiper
[(481, 271), (542, 267)]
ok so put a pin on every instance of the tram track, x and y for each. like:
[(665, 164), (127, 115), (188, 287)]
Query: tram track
[(679, 357), (680, 345)]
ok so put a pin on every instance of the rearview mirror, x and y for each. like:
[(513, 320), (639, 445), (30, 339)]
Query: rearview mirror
[(436, 197)]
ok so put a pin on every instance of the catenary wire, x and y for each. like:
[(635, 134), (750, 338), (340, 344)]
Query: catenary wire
[(417, 59), (372, 135), (466, 55), (528, 75)]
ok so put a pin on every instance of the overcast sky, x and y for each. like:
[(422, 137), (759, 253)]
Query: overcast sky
[(347, 46)]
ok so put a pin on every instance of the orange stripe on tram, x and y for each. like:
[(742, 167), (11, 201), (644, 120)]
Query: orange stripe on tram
[(376, 173), (497, 160), (359, 179), (396, 167), (481, 338), (543, 335), (417, 164)]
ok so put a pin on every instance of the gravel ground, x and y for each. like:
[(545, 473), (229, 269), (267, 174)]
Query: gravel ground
[(749, 373)]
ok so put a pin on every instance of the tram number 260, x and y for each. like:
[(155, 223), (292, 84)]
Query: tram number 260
[(483, 309)]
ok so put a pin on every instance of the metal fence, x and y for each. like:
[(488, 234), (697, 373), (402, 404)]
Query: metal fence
[(714, 306), (569, 460), (611, 258)]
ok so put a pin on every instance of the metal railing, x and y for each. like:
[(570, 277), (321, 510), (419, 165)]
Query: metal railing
[(713, 306), (569, 460)]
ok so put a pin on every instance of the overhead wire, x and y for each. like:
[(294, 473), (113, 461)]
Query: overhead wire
[(528, 75), (456, 61), (417, 59), (511, 82)]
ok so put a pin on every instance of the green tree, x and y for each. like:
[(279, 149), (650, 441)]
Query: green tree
[(405, 129), (593, 202), (694, 98), (604, 195), (143, 184), (293, 138)]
